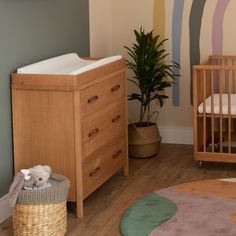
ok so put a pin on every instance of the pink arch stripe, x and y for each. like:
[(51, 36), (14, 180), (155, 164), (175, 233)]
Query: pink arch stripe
[(217, 32)]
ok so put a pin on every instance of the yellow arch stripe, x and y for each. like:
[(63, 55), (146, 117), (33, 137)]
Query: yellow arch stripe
[(159, 18), (159, 21)]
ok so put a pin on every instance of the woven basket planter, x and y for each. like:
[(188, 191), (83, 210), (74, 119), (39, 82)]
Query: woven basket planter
[(144, 142), (42, 212)]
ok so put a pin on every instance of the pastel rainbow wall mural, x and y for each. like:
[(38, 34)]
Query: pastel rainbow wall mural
[(205, 28)]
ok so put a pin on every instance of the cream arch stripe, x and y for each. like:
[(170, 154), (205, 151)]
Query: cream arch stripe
[(159, 18), (176, 45)]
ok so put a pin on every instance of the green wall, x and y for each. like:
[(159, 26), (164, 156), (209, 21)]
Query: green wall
[(31, 30)]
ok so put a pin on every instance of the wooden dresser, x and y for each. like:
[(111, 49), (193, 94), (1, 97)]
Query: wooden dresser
[(75, 124)]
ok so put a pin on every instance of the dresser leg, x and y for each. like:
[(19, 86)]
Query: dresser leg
[(79, 210)]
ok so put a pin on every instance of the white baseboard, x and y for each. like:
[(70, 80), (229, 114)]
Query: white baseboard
[(176, 135), (5, 209)]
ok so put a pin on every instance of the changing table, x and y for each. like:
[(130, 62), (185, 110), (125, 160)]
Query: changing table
[(71, 114)]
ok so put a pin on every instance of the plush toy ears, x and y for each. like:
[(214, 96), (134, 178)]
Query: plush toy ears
[(47, 168), (26, 173)]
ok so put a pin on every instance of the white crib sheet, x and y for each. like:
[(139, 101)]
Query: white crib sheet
[(216, 98), (68, 64)]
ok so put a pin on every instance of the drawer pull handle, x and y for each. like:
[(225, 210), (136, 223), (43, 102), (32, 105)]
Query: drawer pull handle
[(93, 172), (116, 118), (115, 88), (93, 132), (92, 99), (116, 154)]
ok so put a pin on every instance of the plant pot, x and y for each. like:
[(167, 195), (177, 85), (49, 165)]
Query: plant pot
[(144, 141)]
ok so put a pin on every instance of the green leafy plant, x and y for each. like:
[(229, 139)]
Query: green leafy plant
[(151, 74)]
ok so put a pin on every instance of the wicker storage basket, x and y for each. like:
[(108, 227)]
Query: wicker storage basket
[(42, 212), (144, 142)]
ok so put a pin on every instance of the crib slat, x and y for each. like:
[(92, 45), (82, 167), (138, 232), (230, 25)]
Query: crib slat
[(233, 90), (221, 118), (212, 112), (233, 86), (229, 111), (195, 103), (204, 110), (233, 78)]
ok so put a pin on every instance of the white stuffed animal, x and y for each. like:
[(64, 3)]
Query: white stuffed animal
[(40, 175), (33, 178)]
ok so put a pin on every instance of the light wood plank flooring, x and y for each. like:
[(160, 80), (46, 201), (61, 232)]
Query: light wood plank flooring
[(105, 207)]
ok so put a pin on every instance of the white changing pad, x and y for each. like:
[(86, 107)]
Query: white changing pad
[(68, 64), (216, 98)]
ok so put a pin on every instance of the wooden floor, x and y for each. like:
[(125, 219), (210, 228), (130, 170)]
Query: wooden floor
[(105, 207)]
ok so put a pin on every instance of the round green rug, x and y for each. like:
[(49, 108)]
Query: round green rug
[(203, 208)]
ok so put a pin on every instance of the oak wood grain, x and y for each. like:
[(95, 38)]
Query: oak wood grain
[(60, 120)]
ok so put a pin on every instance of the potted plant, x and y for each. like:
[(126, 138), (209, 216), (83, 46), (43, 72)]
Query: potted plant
[(152, 75)]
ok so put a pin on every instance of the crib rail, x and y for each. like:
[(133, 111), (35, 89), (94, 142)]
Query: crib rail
[(214, 83)]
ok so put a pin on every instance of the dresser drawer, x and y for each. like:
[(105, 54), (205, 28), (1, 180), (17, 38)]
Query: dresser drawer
[(99, 95), (102, 164), (102, 127)]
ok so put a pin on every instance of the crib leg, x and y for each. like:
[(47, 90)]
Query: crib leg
[(200, 164)]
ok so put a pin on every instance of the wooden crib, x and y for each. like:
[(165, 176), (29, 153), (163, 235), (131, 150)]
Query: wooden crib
[(214, 104)]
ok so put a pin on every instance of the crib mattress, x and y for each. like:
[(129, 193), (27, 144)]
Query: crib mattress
[(216, 98), (68, 64)]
